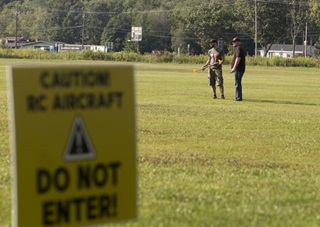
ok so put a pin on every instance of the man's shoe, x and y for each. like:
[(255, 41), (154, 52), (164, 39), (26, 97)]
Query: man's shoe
[(214, 96), (222, 96)]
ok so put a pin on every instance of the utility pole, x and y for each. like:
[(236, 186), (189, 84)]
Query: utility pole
[(16, 32), (83, 17), (306, 39), (255, 28)]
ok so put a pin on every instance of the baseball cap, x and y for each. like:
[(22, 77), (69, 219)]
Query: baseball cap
[(235, 39), (212, 41)]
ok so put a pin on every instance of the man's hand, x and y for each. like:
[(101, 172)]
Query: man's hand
[(219, 62)]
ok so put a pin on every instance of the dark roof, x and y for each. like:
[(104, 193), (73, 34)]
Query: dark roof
[(41, 43), (13, 39)]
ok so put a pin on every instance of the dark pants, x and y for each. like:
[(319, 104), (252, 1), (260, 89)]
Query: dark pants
[(238, 85)]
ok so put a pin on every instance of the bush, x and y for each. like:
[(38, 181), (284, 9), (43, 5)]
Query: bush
[(153, 58)]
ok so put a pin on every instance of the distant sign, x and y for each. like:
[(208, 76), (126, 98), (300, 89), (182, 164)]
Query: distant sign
[(73, 145), (136, 34)]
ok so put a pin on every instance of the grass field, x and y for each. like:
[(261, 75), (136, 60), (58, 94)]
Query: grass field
[(205, 162)]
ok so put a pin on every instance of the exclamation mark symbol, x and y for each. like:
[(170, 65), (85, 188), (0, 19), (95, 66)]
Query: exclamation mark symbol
[(114, 205), (79, 141)]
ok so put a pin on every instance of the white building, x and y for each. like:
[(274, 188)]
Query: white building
[(286, 50)]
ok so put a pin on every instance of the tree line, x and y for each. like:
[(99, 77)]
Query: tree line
[(172, 25)]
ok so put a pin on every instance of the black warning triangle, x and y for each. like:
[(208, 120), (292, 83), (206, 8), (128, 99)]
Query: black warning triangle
[(79, 146)]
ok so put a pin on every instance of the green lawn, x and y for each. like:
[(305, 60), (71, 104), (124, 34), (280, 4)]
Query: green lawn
[(205, 162)]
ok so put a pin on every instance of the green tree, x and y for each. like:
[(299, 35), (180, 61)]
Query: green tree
[(183, 35), (156, 32), (297, 14), (209, 19), (33, 21), (166, 24), (155, 20), (317, 49), (315, 11), (12, 20), (3, 44), (63, 20), (8, 20), (314, 19), (73, 24), (117, 31), (98, 15), (4, 2), (270, 17)]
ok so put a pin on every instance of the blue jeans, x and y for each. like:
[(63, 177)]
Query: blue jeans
[(237, 79)]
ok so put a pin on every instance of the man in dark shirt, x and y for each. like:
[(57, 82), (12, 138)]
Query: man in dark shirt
[(238, 67)]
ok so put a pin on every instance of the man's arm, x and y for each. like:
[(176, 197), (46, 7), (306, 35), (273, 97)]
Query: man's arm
[(236, 63), (207, 63)]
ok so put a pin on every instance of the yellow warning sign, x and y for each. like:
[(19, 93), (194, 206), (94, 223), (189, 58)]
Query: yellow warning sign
[(73, 145)]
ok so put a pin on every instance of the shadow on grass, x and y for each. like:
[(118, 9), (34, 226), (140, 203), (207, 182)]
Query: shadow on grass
[(281, 102)]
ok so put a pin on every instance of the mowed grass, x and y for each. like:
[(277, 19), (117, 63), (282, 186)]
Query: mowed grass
[(205, 162)]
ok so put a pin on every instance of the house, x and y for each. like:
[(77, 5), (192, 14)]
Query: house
[(54, 46), (42, 45), (286, 50), (10, 42)]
